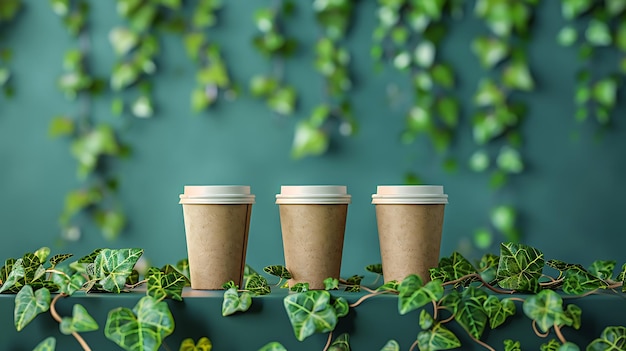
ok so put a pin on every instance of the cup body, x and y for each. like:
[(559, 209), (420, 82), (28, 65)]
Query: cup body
[(410, 224), (313, 223), (217, 223)]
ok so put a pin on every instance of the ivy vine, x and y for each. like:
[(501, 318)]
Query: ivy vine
[(8, 11)]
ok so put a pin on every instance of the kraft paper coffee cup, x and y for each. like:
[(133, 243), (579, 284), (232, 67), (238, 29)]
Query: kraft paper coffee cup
[(410, 223), (217, 222), (313, 223)]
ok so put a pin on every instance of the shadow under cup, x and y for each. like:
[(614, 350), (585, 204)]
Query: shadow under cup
[(217, 223), (410, 223)]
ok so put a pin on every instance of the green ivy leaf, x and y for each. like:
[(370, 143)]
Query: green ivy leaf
[(612, 339), (516, 75), (112, 267), (309, 141), (498, 310), (510, 161), (80, 321), (490, 51), (341, 343), (546, 309), (552, 345), (273, 346), (166, 282), (452, 268), (13, 272), (70, 282), (602, 269), (488, 94), (605, 92), (391, 345), (375, 268), (204, 344), (257, 285), (341, 306), (48, 344), (448, 109), (310, 312), (579, 281), (510, 345), (598, 33), (29, 304), (574, 8), (438, 338), (568, 346), (278, 271), (183, 267), (389, 286), (412, 295), (426, 320), (520, 267), (469, 311), (233, 302), (567, 36), (443, 75), (56, 259), (142, 328), (331, 283)]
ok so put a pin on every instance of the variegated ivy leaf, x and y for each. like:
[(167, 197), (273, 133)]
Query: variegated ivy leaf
[(622, 277), (612, 339), (569, 346), (498, 310), (183, 267), (341, 343), (165, 282), (142, 328), (113, 266), (469, 311), (546, 309), (389, 286), (574, 313), (510, 345), (6, 269), (133, 278), (273, 346), (488, 267), (279, 271), (552, 345), (67, 280), (310, 312), (391, 345), (91, 258), (42, 254), (56, 259), (452, 268), (15, 273), (520, 267), (375, 268), (415, 296), (354, 283), (300, 287), (331, 283), (29, 304), (48, 344), (437, 338), (578, 281), (204, 344), (230, 284), (602, 269), (341, 306), (233, 302), (80, 321), (561, 266), (426, 320), (257, 285)]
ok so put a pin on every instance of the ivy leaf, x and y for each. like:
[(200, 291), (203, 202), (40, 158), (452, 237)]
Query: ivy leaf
[(602, 269), (520, 267), (391, 345), (354, 283), (567, 36), (375, 268), (470, 313), (13, 272), (183, 267), (490, 51), (233, 302), (598, 33), (142, 328), (80, 321), (413, 298), (341, 306), (341, 343), (578, 281), (112, 267), (488, 267), (257, 285), (605, 92), (204, 344), (452, 268), (613, 338), (309, 141), (273, 346), (310, 312), (568, 346), (48, 344), (509, 160), (546, 309), (448, 109), (426, 320), (279, 271), (438, 338), (442, 75), (331, 283), (29, 304), (498, 310), (56, 259), (166, 282), (510, 345), (68, 281), (574, 8), (389, 286), (516, 75)]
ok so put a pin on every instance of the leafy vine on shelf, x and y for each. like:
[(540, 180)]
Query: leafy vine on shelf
[(91, 143), (478, 297), (273, 43), (312, 135), (598, 29)]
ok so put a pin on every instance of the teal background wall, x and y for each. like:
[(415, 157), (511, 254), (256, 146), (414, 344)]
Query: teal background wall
[(571, 198)]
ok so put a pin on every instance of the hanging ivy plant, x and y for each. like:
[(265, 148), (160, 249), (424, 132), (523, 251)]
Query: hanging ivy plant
[(8, 11), (597, 29), (91, 143), (272, 42), (332, 62)]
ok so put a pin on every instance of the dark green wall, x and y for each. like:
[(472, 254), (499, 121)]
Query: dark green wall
[(571, 198)]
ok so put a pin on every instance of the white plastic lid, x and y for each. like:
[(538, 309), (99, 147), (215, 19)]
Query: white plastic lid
[(216, 194), (313, 194), (409, 194)]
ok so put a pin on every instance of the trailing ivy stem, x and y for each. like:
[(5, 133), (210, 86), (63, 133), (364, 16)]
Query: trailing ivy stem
[(132, 286), (477, 276), (368, 289), (413, 345), (58, 272), (537, 332), (517, 299), (57, 317), (481, 343), (557, 330), (330, 337), (365, 297)]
